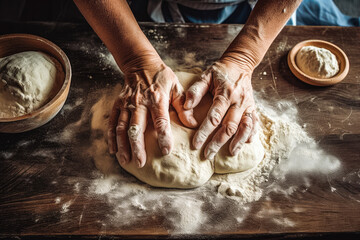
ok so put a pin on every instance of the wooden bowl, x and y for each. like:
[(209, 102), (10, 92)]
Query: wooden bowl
[(340, 56), (15, 43)]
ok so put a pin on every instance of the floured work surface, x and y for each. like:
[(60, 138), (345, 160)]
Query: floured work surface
[(50, 183)]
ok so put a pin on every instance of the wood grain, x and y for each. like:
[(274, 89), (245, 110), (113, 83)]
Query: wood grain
[(31, 180)]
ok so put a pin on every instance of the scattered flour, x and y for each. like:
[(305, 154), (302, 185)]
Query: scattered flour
[(65, 206), (57, 200), (224, 202), (290, 151)]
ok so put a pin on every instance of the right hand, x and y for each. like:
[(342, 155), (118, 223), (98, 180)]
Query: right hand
[(233, 107), (150, 86)]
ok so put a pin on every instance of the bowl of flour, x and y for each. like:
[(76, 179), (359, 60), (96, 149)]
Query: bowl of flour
[(35, 77), (318, 62)]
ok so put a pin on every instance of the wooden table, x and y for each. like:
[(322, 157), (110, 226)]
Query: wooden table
[(31, 180)]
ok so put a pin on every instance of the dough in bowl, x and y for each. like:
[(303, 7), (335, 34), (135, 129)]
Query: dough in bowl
[(27, 82), (317, 62)]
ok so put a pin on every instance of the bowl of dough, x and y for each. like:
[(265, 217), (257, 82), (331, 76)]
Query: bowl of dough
[(35, 77), (318, 62)]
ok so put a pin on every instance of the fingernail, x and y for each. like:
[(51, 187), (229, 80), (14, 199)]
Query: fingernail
[(165, 151), (139, 165), (188, 104), (193, 122), (125, 159), (210, 155), (122, 160)]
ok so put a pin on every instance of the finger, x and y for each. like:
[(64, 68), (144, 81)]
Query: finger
[(255, 126), (178, 99), (242, 134), (215, 115), (111, 133), (136, 132), (228, 129), (195, 93), (159, 110), (122, 140)]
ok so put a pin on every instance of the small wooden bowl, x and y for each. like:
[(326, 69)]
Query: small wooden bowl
[(340, 56), (15, 43)]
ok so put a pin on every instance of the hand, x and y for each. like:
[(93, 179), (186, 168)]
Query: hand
[(233, 106), (150, 86)]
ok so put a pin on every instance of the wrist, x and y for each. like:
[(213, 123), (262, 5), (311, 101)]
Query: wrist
[(238, 58), (247, 49), (142, 60)]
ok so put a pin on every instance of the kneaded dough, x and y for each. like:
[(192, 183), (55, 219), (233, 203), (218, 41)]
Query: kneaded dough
[(27, 82), (317, 62), (185, 167)]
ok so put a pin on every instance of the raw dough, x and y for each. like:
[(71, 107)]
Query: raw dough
[(27, 82), (184, 167), (317, 62)]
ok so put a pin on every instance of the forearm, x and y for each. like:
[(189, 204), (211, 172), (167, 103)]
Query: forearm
[(115, 24), (264, 24)]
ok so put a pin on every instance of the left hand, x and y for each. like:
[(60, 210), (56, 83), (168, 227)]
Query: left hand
[(233, 106)]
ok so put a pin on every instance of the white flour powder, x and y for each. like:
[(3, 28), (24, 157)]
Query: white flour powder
[(289, 151), (224, 202)]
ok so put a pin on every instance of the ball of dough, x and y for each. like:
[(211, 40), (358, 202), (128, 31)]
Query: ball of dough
[(317, 62), (250, 156), (27, 82), (185, 167)]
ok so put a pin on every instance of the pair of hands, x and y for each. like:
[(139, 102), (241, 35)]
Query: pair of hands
[(150, 86)]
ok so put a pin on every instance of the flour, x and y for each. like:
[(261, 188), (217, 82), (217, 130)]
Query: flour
[(65, 206), (285, 139), (225, 201)]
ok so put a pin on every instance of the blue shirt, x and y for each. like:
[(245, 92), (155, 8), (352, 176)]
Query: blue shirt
[(197, 11)]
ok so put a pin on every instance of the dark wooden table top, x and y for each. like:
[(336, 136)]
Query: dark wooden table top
[(31, 180)]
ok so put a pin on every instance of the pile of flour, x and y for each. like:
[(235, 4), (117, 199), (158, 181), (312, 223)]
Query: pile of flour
[(27, 81)]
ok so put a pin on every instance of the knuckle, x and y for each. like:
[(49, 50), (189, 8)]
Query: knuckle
[(221, 98), (161, 124), (194, 91), (215, 117), (121, 127), (246, 124), (214, 146), (231, 128), (134, 132), (201, 136), (235, 106)]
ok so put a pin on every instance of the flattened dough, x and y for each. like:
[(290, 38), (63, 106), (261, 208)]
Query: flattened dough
[(185, 167)]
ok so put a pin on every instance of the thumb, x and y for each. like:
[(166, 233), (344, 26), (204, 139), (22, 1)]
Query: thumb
[(197, 91), (186, 116)]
